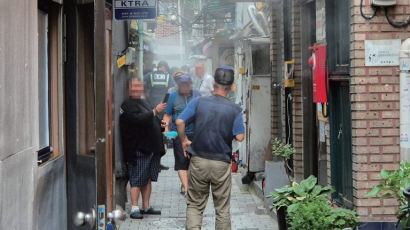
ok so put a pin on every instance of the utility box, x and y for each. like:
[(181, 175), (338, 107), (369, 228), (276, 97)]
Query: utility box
[(383, 2)]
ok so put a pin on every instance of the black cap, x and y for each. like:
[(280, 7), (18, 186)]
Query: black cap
[(224, 75), (163, 64)]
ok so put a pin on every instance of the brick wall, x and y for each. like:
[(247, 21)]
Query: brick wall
[(375, 110), (278, 94), (274, 49), (167, 32), (276, 62), (297, 92)]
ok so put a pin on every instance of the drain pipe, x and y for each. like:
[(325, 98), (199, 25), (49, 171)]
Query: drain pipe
[(405, 101), (140, 50)]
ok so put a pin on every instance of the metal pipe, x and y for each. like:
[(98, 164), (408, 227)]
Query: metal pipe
[(181, 44)]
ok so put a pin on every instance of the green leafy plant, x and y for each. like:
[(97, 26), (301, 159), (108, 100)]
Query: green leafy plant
[(317, 213), (285, 152), (392, 185), (307, 189), (342, 218), (308, 214)]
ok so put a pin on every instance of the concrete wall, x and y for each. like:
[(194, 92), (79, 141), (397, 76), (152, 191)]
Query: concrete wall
[(120, 83), (25, 189), (18, 110), (50, 201)]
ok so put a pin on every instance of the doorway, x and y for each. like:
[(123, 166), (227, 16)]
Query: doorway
[(80, 110), (341, 143), (88, 113)]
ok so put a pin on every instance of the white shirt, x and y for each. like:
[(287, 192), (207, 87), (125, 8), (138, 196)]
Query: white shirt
[(205, 85)]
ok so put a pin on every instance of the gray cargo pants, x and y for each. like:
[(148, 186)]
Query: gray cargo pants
[(204, 173)]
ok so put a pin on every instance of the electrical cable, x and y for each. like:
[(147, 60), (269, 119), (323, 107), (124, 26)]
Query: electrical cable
[(364, 16), (393, 23), (289, 97), (324, 105)]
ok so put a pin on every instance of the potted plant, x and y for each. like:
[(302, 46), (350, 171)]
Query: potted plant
[(285, 152), (307, 207), (317, 213), (284, 197), (393, 185)]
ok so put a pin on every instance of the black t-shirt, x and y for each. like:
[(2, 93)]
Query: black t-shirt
[(140, 129)]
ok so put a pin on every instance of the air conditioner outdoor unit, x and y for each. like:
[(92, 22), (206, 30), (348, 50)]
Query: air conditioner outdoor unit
[(383, 2)]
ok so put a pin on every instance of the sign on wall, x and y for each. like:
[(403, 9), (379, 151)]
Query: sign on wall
[(135, 9), (382, 52)]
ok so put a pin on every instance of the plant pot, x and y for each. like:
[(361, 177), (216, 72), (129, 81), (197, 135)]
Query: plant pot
[(281, 216)]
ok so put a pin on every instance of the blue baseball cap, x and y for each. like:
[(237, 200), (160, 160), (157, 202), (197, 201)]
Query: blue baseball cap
[(185, 78)]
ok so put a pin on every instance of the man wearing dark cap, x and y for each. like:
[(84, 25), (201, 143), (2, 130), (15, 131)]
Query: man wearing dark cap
[(157, 83), (217, 122)]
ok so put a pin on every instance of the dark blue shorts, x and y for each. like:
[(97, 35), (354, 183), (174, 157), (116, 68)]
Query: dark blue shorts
[(181, 162), (143, 169)]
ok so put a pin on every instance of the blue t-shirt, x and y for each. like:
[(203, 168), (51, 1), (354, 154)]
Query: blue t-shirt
[(176, 104), (189, 113)]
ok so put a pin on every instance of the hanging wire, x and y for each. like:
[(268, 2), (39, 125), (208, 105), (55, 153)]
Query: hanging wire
[(393, 23), (364, 16)]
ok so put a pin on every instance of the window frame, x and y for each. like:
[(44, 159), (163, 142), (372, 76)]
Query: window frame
[(338, 37), (54, 45), (85, 112)]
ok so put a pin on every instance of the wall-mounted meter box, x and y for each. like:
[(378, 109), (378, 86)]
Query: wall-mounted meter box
[(384, 2)]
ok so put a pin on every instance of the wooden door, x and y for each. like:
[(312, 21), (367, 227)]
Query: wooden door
[(89, 114)]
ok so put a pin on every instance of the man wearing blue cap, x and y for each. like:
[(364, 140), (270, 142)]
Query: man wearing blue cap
[(217, 122), (176, 104)]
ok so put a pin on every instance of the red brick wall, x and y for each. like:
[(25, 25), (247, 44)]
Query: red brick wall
[(167, 32), (375, 110)]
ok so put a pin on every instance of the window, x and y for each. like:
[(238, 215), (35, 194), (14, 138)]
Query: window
[(338, 36), (49, 81)]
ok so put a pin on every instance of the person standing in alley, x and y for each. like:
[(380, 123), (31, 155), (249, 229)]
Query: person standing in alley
[(176, 75), (217, 122), (142, 145), (176, 104), (203, 80), (156, 85)]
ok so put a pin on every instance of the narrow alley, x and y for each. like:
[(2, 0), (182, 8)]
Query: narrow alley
[(247, 210), (308, 101)]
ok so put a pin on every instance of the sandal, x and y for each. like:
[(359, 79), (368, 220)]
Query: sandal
[(151, 211)]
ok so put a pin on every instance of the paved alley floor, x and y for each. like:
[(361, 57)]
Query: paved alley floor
[(247, 212)]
